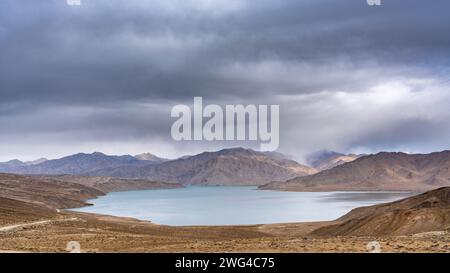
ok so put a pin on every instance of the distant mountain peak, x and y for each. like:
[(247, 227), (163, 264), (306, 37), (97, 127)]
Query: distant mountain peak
[(323, 160), (150, 157), (234, 150), (37, 161), (14, 161)]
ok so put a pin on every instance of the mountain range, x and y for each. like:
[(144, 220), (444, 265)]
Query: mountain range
[(274, 171), (236, 166), (77, 164), (382, 171), (226, 167)]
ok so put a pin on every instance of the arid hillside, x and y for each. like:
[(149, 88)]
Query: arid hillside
[(426, 212), (51, 194), (383, 171), (68, 191)]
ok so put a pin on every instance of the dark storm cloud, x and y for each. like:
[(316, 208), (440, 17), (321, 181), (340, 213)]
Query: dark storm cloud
[(110, 70), (120, 50)]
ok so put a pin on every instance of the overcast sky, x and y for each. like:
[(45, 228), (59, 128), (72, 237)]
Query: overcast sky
[(104, 76)]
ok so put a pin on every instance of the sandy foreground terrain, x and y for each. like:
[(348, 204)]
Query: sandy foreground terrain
[(28, 226), (97, 233)]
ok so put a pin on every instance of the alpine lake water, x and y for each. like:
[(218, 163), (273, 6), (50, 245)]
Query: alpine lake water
[(217, 205)]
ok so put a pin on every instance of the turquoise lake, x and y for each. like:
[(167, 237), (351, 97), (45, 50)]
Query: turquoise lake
[(233, 205)]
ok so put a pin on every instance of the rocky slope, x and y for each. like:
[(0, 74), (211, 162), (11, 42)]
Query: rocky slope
[(226, 167), (426, 212), (383, 171)]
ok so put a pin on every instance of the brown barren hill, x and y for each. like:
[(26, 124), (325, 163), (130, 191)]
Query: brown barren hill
[(68, 191), (426, 212), (14, 211), (111, 184), (54, 194), (383, 171)]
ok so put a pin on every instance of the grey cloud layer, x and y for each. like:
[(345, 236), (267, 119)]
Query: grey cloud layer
[(109, 70)]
